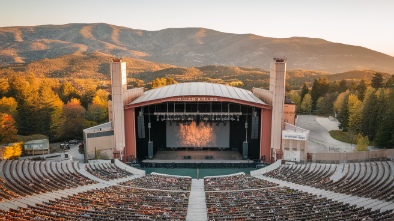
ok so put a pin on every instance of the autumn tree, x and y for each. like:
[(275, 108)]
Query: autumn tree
[(295, 97), (73, 114), (160, 82), (8, 130), (51, 109), (362, 143), (341, 108), (354, 109), (87, 97), (98, 110), (8, 105), (67, 92), (390, 82), (15, 150)]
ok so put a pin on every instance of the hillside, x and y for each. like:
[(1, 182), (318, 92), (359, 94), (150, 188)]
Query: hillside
[(96, 66), (186, 47)]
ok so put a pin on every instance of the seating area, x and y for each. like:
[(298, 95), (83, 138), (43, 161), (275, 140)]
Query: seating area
[(281, 203), (111, 203), (235, 182), (364, 179), (106, 171), (24, 177), (161, 182)]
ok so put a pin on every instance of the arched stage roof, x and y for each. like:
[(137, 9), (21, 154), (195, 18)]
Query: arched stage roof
[(198, 89)]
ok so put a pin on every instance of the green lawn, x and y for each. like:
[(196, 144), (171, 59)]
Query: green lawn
[(346, 137)]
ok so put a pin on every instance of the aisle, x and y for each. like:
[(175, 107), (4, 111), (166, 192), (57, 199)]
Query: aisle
[(197, 209)]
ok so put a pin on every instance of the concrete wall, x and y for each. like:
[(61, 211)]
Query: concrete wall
[(289, 113), (277, 87), (119, 87), (356, 156), (104, 147)]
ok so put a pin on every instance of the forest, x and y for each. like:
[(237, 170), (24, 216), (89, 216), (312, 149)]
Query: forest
[(34, 100)]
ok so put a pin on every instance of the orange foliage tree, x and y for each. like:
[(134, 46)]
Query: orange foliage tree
[(8, 130)]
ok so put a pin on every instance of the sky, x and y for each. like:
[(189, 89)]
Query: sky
[(366, 23)]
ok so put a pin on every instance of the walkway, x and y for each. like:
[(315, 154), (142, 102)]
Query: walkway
[(374, 204), (197, 209)]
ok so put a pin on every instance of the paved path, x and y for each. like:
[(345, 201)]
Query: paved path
[(320, 141), (354, 200), (197, 209)]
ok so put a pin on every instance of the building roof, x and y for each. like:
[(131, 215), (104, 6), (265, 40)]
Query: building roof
[(198, 89), (100, 127)]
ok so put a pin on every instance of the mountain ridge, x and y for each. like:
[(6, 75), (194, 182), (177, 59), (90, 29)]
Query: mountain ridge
[(187, 47)]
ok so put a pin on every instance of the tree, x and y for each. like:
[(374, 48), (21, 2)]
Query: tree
[(319, 89), (385, 132), (304, 91), (342, 86), (73, 114), (13, 151), (50, 107), (377, 80), (8, 131), (306, 105), (8, 105), (369, 115), (67, 92), (354, 107), (295, 97), (362, 143), (160, 82), (361, 89), (390, 82), (98, 110), (87, 97)]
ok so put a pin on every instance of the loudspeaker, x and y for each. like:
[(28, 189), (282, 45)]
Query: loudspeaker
[(112, 160), (66, 156), (244, 150), (254, 133), (150, 150), (141, 126)]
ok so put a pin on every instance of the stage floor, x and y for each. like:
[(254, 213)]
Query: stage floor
[(197, 156)]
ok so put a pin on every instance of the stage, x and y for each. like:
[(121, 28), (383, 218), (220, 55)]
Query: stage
[(197, 156)]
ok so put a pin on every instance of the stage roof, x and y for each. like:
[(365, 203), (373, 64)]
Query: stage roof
[(198, 89)]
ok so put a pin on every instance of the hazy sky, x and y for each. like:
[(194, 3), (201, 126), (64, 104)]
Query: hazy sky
[(367, 23)]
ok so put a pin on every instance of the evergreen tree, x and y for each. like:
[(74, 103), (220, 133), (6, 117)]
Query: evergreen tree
[(390, 82), (319, 89), (377, 80), (306, 104), (304, 91), (385, 132), (369, 115), (342, 86), (361, 89)]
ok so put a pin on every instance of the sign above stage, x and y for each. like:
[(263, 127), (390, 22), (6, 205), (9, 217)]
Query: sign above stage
[(188, 99)]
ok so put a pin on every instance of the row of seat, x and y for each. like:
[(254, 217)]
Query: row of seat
[(162, 182), (366, 179), (235, 182), (106, 171), (24, 177), (281, 203)]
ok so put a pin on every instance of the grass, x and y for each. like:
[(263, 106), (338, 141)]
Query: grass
[(346, 137), (31, 137)]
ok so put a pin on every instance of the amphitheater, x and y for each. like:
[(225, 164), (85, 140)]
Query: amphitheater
[(105, 190)]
